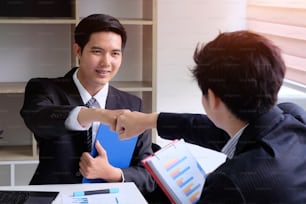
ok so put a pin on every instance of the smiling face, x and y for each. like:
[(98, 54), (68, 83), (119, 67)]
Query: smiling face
[(99, 61)]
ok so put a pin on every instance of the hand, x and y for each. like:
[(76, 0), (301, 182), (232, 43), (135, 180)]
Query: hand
[(99, 167), (109, 117), (130, 124)]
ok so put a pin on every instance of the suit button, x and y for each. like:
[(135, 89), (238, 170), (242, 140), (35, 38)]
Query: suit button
[(78, 173)]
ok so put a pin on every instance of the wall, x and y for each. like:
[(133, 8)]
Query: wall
[(28, 51), (181, 25), (33, 51)]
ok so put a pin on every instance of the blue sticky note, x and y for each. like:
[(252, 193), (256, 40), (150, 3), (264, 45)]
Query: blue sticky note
[(119, 152)]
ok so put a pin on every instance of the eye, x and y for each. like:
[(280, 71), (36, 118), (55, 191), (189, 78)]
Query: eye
[(116, 53), (96, 51)]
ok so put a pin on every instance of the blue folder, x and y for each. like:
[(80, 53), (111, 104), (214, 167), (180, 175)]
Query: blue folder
[(119, 152)]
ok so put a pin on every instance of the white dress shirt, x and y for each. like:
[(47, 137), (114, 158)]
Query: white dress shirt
[(72, 122)]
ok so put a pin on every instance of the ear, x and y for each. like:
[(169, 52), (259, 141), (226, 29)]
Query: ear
[(213, 99), (77, 50)]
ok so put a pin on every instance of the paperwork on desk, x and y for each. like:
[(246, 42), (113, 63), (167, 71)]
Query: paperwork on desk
[(109, 198)]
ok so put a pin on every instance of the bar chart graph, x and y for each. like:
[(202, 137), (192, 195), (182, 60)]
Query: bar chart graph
[(182, 173), (179, 174)]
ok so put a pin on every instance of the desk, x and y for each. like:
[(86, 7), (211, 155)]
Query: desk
[(128, 192)]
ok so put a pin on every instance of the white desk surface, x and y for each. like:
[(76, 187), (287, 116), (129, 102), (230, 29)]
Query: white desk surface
[(128, 192)]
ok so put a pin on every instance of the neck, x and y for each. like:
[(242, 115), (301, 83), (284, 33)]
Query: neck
[(229, 122), (89, 86), (235, 127)]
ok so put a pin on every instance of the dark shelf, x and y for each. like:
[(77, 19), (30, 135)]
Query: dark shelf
[(37, 8)]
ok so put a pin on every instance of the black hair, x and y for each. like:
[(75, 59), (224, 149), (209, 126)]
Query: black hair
[(244, 69), (97, 23)]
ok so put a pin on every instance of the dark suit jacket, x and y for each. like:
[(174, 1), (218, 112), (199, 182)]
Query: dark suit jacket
[(269, 165), (47, 104)]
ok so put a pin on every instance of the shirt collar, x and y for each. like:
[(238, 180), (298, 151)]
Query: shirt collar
[(230, 147), (100, 96)]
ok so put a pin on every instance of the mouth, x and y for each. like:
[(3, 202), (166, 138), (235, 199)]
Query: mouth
[(103, 72)]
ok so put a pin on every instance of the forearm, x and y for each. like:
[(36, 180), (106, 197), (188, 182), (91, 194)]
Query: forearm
[(113, 175), (88, 115), (193, 128), (150, 121)]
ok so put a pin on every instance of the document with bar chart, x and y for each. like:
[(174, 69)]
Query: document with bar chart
[(177, 172)]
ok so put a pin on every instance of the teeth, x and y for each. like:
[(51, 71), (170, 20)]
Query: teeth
[(102, 71)]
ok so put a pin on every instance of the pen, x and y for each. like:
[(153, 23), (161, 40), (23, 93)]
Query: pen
[(103, 191)]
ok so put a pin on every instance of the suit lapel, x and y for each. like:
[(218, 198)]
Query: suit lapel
[(112, 101), (72, 93)]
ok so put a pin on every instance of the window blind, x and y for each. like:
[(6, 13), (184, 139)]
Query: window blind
[(283, 22)]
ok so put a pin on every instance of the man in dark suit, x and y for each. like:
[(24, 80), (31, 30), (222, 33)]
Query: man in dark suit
[(54, 111), (239, 74)]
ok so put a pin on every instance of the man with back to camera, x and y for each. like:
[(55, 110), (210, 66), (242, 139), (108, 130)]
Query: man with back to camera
[(239, 74)]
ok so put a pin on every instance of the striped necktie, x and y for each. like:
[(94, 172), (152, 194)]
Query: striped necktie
[(92, 103)]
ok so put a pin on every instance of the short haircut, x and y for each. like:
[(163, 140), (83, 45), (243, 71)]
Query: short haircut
[(98, 23), (244, 69)]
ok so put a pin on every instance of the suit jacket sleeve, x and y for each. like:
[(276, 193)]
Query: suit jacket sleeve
[(193, 128), (44, 108)]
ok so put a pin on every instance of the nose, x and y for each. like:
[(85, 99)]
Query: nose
[(106, 60)]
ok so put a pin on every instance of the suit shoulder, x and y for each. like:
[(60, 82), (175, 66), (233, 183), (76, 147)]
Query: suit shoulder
[(45, 80), (123, 94), (56, 80), (43, 84)]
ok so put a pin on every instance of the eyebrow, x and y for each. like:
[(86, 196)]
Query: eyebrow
[(99, 48)]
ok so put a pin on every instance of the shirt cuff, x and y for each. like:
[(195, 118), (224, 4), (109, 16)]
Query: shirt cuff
[(72, 122)]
